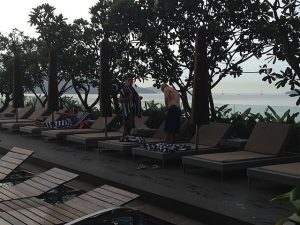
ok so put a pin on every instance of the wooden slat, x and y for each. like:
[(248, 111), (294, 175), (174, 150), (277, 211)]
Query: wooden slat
[(49, 178), (112, 194), (22, 217), (12, 160), (120, 191), (2, 176), (105, 198), (96, 201), (37, 185), (4, 208), (39, 219), (22, 151), (55, 214), (25, 192), (64, 172), (5, 170), (70, 209), (63, 211), (6, 195), (16, 155), (15, 191), (28, 190), (80, 202), (81, 207), (4, 222), (10, 219), (45, 216), (8, 165), (44, 182), (34, 202), (60, 176)]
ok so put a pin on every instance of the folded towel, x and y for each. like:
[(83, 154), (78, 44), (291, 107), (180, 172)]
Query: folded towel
[(163, 147), (129, 138)]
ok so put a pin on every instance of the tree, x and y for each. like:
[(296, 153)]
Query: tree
[(163, 34), (53, 32), (280, 31)]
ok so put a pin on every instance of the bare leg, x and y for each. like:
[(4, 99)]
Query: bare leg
[(169, 138), (126, 131)]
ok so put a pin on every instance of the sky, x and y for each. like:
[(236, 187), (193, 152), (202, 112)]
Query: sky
[(15, 14)]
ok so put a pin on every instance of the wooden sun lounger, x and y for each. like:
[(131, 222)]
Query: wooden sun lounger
[(38, 185), (36, 130), (287, 173), (91, 139), (97, 126), (34, 211), (128, 146), (12, 160), (208, 142), (23, 113), (265, 145), (8, 112), (12, 127)]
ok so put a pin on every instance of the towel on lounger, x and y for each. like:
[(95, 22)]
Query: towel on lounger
[(163, 147), (129, 138)]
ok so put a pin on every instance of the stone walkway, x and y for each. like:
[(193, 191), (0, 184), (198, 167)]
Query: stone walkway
[(197, 193)]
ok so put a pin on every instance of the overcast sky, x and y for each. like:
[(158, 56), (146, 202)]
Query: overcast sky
[(15, 14)]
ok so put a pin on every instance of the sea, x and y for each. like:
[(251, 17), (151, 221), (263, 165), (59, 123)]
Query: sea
[(258, 102)]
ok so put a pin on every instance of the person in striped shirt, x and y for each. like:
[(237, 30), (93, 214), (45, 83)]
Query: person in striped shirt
[(130, 104)]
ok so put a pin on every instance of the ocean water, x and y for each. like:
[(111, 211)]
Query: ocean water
[(238, 102)]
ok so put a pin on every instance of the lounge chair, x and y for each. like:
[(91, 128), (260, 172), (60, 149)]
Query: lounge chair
[(12, 160), (8, 112), (23, 113), (37, 115), (287, 173), (127, 146), (91, 139), (157, 137), (265, 146), (34, 211), (38, 185), (209, 137), (97, 126), (34, 130)]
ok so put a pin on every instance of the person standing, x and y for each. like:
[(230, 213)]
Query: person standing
[(173, 113), (130, 104)]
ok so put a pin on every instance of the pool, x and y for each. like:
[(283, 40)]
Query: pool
[(119, 216)]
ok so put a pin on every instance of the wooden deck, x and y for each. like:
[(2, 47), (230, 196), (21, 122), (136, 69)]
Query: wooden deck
[(37, 185), (12, 160), (33, 211)]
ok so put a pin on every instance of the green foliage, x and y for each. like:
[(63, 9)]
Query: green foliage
[(156, 113), (30, 101), (243, 122), (69, 103), (279, 30), (287, 117), (293, 197)]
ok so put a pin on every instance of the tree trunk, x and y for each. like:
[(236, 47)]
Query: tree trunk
[(212, 106), (185, 104)]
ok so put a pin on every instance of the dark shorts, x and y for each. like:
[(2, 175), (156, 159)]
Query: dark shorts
[(129, 121), (172, 123)]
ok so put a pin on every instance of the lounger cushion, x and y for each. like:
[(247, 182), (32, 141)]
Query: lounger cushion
[(96, 135), (268, 138), (287, 168), (232, 156), (211, 134)]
